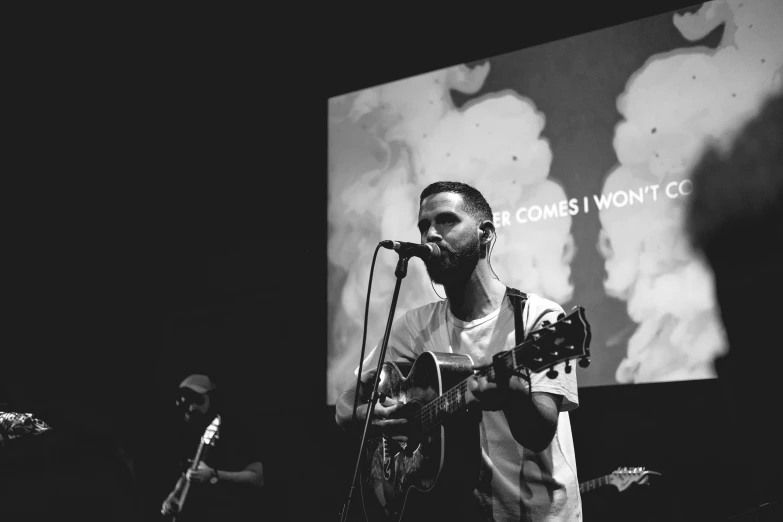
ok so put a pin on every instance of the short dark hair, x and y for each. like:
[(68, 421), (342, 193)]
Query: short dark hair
[(735, 208), (474, 201)]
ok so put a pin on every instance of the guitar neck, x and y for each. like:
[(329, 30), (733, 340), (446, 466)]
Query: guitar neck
[(455, 400), (450, 403), (193, 466), (567, 339), (592, 484), (438, 410)]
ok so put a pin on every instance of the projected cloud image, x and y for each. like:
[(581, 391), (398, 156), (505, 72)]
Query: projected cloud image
[(385, 145), (582, 148), (671, 107)]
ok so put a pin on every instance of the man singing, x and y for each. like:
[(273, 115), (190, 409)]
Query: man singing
[(528, 467)]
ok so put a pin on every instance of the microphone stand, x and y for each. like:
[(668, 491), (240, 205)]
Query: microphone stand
[(401, 271)]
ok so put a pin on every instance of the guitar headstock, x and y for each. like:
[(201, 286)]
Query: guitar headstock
[(621, 478), (564, 340), (211, 434)]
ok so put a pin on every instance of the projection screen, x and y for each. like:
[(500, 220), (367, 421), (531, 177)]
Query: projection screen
[(582, 147)]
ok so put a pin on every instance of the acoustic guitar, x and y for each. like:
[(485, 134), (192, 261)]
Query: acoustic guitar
[(436, 468)]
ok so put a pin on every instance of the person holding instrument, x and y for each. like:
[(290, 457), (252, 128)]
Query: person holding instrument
[(527, 469), (226, 482)]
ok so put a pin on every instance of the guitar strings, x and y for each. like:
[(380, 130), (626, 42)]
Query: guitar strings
[(428, 413)]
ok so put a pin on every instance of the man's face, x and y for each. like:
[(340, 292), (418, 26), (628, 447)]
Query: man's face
[(443, 221), (196, 407)]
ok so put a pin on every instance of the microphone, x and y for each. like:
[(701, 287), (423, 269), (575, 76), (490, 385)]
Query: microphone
[(425, 251)]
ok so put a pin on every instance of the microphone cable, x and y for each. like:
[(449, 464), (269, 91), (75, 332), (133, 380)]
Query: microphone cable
[(364, 338)]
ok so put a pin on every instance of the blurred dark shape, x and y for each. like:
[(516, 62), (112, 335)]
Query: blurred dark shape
[(735, 217), (735, 220)]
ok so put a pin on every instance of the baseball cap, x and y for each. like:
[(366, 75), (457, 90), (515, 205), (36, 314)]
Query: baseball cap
[(198, 383)]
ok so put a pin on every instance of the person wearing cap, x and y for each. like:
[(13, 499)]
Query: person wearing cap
[(225, 485)]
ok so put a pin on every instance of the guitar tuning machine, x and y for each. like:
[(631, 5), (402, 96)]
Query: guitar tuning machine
[(552, 373), (584, 362), (568, 366)]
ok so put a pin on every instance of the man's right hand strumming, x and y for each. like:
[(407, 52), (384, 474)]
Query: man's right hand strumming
[(382, 420)]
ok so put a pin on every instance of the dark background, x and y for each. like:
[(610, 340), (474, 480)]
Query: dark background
[(167, 215)]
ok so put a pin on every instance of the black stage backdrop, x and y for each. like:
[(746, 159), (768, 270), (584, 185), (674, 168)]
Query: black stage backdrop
[(168, 217)]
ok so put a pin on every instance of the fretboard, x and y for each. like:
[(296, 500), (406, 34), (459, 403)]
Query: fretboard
[(193, 466), (533, 354), (437, 411), (594, 483)]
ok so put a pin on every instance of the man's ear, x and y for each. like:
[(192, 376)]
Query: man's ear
[(487, 233)]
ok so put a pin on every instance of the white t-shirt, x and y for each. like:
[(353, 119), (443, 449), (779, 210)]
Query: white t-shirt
[(515, 483)]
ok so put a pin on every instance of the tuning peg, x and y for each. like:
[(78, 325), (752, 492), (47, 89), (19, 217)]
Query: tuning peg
[(568, 366), (584, 362), (552, 373)]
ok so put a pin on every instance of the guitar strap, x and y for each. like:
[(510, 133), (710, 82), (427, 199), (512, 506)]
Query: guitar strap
[(517, 300)]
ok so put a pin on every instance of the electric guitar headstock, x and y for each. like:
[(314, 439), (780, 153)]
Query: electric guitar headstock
[(621, 478), (562, 341), (212, 433)]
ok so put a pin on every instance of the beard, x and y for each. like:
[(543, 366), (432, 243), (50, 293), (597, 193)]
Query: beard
[(457, 267), (197, 422)]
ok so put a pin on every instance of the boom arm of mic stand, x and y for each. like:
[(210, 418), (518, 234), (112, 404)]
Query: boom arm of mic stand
[(401, 271)]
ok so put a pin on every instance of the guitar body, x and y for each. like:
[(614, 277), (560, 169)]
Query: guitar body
[(179, 495), (431, 477)]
